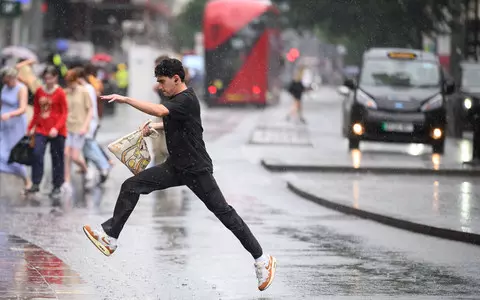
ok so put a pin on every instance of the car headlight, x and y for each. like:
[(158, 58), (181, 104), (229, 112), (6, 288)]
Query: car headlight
[(467, 103), (433, 103), (365, 100)]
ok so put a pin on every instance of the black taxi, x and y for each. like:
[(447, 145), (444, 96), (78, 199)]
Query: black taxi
[(398, 97)]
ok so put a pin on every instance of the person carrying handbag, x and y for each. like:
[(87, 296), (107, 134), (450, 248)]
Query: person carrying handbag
[(48, 125), (189, 164)]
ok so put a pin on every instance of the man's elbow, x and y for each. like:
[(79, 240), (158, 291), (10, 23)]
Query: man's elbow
[(162, 111)]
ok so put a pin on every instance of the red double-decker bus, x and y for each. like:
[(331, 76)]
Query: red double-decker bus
[(243, 52)]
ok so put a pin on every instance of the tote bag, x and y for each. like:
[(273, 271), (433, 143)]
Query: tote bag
[(132, 150)]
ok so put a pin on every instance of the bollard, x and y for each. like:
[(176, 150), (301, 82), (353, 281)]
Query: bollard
[(476, 138), (475, 119)]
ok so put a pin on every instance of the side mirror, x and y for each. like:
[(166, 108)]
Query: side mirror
[(350, 83), (343, 90), (449, 87)]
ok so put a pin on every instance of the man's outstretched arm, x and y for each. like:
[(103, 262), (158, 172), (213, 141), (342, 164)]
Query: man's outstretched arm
[(153, 109)]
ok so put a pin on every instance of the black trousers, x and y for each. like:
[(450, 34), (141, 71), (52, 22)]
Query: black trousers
[(57, 147), (164, 176)]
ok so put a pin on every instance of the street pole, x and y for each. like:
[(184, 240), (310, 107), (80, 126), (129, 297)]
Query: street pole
[(16, 31), (474, 53), (36, 27)]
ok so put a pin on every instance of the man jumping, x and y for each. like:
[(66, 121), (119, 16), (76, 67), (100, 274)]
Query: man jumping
[(188, 165)]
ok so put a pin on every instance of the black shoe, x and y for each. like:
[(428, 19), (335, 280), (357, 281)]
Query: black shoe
[(55, 194), (104, 176), (35, 188)]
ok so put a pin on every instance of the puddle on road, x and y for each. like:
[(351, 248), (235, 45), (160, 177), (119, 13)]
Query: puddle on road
[(341, 265)]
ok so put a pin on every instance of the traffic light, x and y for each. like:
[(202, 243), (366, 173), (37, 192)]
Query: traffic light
[(293, 54)]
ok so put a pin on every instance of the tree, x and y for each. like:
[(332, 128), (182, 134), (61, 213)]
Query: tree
[(372, 23), (188, 22)]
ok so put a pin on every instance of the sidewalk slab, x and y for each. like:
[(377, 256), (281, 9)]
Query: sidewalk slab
[(29, 272), (406, 166), (445, 207), (10, 185)]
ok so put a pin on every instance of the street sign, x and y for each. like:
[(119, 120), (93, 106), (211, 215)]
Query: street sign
[(10, 8)]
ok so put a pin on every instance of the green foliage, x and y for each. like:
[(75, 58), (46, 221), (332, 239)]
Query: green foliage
[(188, 22), (369, 23)]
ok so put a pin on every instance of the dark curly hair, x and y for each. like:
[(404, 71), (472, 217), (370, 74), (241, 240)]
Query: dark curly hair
[(170, 67)]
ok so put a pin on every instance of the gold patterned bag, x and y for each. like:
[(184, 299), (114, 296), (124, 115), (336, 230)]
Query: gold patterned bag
[(132, 150)]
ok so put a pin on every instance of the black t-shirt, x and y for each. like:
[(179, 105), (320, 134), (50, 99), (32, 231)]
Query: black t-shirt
[(163, 98), (184, 134)]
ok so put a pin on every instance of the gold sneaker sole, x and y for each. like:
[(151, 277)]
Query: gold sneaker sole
[(97, 244)]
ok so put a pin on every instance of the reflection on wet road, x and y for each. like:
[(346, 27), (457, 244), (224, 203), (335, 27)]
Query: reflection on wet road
[(174, 248), (28, 272)]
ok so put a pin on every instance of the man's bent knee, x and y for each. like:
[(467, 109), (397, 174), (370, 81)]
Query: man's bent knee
[(129, 185)]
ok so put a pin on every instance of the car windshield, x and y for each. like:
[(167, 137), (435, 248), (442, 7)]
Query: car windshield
[(404, 73), (471, 77)]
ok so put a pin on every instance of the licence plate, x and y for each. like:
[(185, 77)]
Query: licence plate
[(397, 127), (234, 97)]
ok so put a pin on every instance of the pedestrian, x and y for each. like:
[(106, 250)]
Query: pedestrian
[(92, 150), (92, 78), (188, 165), (296, 89), (49, 125), (13, 121), (80, 114)]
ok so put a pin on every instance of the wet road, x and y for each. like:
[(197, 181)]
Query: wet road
[(174, 248)]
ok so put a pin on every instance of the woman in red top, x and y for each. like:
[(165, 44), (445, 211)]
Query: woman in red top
[(49, 126)]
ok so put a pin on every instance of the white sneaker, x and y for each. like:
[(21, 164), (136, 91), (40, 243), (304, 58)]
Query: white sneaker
[(266, 272), (106, 244)]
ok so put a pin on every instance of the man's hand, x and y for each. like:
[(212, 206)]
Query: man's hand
[(114, 97), (53, 133), (146, 130)]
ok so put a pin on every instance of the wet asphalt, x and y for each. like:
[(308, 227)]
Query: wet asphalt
[(174, 248)]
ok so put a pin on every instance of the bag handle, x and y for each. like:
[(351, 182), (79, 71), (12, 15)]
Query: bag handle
[(155, 132)]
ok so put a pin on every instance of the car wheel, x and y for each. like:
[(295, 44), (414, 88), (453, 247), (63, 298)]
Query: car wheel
[(353, 144), (439, 148)]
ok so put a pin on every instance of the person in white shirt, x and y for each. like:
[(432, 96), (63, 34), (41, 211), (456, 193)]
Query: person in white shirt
[(91, 149)]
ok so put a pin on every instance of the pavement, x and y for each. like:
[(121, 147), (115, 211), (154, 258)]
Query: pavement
[(357, 162), (443, 207), (174, 248)]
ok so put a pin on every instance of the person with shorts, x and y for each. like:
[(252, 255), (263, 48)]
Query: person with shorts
[(187, 165), (296, 89), (78, 122), (91, 149)]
